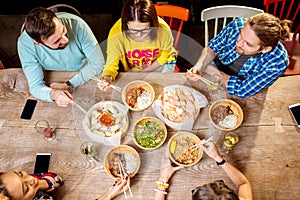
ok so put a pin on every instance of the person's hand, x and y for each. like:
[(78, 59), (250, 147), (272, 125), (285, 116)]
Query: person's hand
[(61, 97), (105, 83), (118, 188), (193, 74), (59, 86), (166, 169), (210, 148)]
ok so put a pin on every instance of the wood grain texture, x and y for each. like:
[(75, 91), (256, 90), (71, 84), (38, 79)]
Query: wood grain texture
[(268, 151)]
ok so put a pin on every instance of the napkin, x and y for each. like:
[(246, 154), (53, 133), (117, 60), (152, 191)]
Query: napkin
[(201, 102), (114, 140)]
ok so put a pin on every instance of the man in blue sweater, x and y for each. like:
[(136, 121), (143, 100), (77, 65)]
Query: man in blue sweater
[(62, 42)]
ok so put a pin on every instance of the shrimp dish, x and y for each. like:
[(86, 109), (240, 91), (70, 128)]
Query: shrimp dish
[(178, 104)]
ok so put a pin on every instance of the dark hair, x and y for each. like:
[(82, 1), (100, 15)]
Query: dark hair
[(216, 190), (270, 29), (39, 23), (3, 190), (141, 10)]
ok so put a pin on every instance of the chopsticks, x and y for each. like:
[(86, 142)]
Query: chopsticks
[(123, 175), (76, 104), (208, 82), (195, 146), (110, 85)]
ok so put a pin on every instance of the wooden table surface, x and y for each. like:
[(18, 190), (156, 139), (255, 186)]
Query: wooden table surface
[(268, 152)]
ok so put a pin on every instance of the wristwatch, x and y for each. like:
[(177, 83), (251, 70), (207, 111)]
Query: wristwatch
[(70, 87), (222, 162)]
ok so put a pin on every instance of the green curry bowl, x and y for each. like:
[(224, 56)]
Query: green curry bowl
[(149, 133)]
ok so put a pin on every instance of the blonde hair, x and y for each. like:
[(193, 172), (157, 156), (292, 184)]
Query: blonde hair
[(270, 29)]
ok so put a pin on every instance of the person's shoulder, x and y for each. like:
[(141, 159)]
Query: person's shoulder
[(116, 28), (277, 50), (238, 22), (162, 23), (67, 15), (25, 39)]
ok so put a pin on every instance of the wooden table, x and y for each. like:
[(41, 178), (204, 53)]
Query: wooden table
[(268, 152)]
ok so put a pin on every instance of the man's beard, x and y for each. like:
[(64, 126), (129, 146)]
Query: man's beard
[(239, 51), (58, 48)]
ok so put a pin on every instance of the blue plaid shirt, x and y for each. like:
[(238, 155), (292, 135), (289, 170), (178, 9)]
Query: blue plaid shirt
[(257, 73)]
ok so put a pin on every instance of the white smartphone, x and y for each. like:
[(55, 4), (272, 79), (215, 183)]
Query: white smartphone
[(42, 162), (295, 112)]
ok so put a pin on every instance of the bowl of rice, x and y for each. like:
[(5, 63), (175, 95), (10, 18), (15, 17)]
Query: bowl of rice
[(138, 95), (226, 114), (127, 156)]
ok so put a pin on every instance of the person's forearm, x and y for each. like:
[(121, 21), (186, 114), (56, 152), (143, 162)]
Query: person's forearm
[(239, 179), (207, 55), (105, 196), (152, 67)]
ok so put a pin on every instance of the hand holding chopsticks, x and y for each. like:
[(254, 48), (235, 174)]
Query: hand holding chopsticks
[(202, 142), (211, 84), (103, 84), (74, 103), (124, 176)]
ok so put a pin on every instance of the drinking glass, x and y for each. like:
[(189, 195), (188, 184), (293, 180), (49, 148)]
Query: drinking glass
[(230, 139), (88, 149), (43, 128)]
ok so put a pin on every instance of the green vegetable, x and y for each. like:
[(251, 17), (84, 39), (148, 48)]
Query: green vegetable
[(149, 134)]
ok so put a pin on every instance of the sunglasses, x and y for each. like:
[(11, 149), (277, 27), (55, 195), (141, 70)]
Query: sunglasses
[(142, 31)]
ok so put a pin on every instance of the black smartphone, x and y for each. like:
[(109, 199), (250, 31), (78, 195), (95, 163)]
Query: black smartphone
[(42, 163), (295, 112), (28, 109)]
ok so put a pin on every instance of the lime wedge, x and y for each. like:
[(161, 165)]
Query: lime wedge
[(173, 146)]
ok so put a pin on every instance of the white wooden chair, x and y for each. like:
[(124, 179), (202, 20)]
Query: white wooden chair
[(223, 13)]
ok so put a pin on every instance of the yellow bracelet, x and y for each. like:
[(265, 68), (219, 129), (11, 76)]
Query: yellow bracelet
[(161, 184)]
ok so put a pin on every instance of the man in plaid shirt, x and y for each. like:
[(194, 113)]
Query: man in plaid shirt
[(249, 51)]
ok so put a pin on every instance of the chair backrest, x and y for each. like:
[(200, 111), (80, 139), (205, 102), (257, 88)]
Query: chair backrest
[(284, 9), (64, 7), (175, 16), (59, 8), (223, 13)]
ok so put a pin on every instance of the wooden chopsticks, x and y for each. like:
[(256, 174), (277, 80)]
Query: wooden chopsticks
[(195, 146), (110, 85), (208, 82), (76, 104), (124, 175)]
